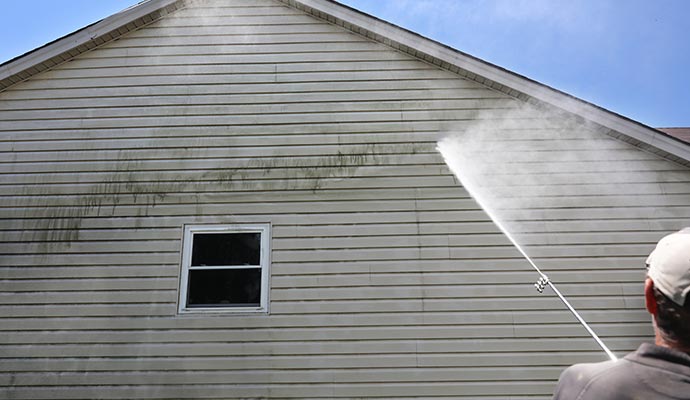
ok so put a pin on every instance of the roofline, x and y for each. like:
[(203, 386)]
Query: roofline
[(485, 73), (67, 47), (492, 76)]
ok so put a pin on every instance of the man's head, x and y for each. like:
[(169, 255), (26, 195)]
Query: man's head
[(667, 290)]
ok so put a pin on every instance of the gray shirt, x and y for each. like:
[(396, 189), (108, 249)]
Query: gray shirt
[(651, 372)]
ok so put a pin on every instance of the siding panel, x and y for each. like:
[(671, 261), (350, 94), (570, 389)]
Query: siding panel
[(387, 279)]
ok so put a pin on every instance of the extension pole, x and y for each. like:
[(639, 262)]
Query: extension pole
[(545, 280)]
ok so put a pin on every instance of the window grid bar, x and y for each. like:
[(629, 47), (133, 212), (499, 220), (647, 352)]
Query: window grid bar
[(225, 267)]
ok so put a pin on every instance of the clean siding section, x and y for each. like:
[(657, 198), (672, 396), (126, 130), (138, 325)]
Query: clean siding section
[(388, 280)]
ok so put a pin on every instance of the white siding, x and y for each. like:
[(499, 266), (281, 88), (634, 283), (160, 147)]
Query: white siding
[(388, 281)]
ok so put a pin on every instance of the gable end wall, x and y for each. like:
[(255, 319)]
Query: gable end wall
[(387, 278)]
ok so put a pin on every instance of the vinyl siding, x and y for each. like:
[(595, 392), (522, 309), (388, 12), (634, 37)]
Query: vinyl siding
[(387, 279)]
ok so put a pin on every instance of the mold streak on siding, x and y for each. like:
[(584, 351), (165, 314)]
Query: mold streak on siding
[(387, 279)]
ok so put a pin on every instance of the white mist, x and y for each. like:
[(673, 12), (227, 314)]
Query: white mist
[(463, 157)]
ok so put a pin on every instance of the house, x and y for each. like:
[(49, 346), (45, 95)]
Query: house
[(301, 135)]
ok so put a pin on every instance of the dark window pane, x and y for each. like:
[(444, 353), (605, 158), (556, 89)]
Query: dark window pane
[(226, 249), (224, 287)]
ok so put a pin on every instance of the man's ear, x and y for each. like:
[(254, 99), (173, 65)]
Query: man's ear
[(650, 300)]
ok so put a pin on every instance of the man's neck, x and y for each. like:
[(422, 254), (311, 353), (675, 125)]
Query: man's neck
[(660, 341)]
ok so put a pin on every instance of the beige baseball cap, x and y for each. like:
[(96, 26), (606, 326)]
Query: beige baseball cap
[(669, 266)]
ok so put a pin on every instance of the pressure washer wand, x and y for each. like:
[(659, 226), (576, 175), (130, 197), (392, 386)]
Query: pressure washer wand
[(542, 282)]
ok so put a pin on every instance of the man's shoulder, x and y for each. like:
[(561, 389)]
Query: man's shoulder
[(593, 371), (598, 380), (651, 372)]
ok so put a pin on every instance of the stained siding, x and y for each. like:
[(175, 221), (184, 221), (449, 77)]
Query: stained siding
[(387, 281)]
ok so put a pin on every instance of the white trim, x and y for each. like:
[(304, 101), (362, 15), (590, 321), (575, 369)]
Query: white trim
[(264, 264)]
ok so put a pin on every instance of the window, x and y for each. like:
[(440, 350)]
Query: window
[(225, 268)]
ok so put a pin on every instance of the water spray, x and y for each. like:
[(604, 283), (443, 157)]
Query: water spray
[(543, 280)]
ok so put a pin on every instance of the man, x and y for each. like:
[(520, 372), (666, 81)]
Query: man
[(655, 371)]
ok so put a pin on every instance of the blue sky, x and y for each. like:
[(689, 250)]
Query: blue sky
[(631, 57)]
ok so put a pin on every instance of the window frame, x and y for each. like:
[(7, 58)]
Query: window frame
[(264, 229)]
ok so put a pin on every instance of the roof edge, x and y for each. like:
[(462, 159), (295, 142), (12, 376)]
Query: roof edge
[(490, 75), (67, 47), (678, 132)]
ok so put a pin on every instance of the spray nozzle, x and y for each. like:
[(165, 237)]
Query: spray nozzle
[(541, 283)]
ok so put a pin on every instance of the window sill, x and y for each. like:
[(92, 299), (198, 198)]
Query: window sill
[(222, 310)]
